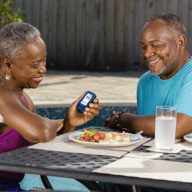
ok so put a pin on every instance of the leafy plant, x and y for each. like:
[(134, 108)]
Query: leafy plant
[(8, 13)]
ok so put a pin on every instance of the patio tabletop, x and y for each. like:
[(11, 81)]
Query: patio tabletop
[(105, 168)]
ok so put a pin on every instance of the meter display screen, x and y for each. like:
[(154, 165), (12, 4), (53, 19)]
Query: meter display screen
[(86, 99)]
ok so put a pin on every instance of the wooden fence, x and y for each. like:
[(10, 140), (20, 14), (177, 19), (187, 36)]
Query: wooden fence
[(98, 35)]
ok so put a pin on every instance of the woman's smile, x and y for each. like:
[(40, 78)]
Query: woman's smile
[(38, 79)]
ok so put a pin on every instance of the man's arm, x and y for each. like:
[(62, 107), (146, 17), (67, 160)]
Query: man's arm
[(147, 123), (184, 125), (138, 122)]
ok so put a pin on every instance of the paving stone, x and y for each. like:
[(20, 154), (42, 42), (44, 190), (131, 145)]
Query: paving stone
[(61, 88)]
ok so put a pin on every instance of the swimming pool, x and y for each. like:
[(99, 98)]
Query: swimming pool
[(59, 113)]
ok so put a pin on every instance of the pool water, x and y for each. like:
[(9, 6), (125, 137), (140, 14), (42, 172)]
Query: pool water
[(59, 113), (60, 183)]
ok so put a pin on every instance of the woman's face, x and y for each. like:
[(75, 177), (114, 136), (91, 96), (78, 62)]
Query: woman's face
[(28, 70)]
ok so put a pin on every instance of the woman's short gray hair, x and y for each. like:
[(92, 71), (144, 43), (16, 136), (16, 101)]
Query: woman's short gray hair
[(13, 37)]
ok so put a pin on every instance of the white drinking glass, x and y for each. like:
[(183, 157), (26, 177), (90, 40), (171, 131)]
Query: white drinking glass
[(165, 127)]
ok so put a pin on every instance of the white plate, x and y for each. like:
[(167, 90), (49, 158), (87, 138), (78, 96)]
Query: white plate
[(188, 137), (73, 137)]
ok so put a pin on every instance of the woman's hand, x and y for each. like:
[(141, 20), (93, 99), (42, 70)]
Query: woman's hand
[(74, 118)]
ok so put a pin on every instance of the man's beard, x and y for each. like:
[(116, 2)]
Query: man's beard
[(160, 72)]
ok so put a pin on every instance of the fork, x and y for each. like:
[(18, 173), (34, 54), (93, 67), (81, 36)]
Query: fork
[(136, 135)]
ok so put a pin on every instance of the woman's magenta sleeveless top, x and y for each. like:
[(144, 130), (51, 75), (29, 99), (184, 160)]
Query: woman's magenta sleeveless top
[(11, 140)]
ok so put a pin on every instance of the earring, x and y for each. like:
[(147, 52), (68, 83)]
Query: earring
[(7, 77)]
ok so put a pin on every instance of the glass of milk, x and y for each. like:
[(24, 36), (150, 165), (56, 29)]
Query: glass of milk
[(165, 127)]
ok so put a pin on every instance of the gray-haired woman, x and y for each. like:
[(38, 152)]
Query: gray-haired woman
[(23, 63)]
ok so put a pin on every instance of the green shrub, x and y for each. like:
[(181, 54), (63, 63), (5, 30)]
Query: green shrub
[(8, 13)]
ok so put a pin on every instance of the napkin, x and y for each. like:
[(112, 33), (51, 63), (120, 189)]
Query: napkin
[(179, 146), (150, 169), (151, 143), (145, 155), (175, 150)]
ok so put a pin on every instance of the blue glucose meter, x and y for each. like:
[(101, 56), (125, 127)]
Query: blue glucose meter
[(85, 100)]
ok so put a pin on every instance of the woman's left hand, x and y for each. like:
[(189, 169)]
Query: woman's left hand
[(74, 118)]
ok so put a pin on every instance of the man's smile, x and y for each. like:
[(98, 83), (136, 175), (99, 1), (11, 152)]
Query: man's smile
[(152, 62)]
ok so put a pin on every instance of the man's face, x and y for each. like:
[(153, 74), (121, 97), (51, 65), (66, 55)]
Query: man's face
[(160, 49), (28, 71)]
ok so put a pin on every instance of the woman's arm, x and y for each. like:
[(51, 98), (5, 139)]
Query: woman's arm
[(36, 128)]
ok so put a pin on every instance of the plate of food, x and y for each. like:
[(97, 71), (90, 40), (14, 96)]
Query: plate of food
[(188, 137), (104, 139)]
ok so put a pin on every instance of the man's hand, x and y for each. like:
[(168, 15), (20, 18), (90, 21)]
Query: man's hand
[(120, 121), (110, 121)]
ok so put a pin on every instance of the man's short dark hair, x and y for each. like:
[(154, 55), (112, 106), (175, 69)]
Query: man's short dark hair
[(173, 21)]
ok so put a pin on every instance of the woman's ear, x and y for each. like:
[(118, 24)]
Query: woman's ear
[(6, 62)]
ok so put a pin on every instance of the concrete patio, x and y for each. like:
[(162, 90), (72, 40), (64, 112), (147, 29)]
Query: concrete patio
[(60, 89)]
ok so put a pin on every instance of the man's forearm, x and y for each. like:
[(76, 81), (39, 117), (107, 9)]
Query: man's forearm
[(139, 122)]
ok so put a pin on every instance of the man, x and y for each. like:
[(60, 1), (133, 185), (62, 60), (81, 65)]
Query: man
[(168, 81)]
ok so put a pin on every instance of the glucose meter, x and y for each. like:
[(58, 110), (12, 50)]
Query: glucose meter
[(85, 100)]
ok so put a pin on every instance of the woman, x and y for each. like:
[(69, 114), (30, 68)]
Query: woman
[(23, 64)]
